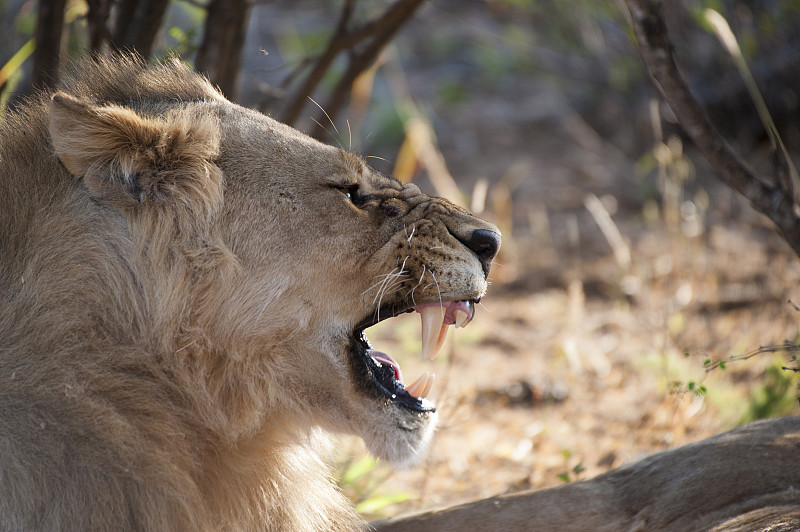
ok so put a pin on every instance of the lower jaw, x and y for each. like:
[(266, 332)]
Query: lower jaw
[(389, 388)]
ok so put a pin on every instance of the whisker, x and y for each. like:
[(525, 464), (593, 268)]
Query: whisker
[(402, 266), (328, 131), (377, 283), (393, 279), (388, 279), (393, 285), (413, 229), (326, 114), (437, 286), (417, 285), (375, 156), (386, 274), (387, 285), (383, 292)]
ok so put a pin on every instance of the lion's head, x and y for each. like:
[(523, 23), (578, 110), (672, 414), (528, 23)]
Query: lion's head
[(238, 259)]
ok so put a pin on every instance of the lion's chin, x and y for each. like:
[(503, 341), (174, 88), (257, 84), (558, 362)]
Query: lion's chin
[(400, 437)]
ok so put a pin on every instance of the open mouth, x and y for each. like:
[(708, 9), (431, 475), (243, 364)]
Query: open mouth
[(385, 372)]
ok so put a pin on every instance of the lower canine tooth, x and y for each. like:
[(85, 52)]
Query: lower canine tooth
[(462, 318), (428, 385), (434, 331), (416, 388)]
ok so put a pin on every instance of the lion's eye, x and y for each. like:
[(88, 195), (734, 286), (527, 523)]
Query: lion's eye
[(350, 192)]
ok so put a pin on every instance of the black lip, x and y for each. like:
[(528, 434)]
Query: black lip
[(383, 377)]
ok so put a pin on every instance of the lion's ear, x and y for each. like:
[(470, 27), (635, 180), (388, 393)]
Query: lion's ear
[(126, 159)]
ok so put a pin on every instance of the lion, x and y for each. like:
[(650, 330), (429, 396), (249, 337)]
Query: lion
[(185, 288)]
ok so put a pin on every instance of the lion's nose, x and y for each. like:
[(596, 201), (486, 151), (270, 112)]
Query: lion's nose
[(485, 243)]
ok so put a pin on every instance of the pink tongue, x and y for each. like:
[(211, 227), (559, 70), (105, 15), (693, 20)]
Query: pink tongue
[(385, 360)]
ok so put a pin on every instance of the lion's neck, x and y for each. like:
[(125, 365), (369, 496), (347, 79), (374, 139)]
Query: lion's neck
[(287, 481)]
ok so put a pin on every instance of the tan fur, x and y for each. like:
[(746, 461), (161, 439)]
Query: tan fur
[(179, 282), (745, 480)]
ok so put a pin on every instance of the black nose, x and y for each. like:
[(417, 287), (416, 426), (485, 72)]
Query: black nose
[(485, 244)]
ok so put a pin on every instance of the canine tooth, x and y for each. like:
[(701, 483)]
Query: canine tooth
[(428, 385), (416, 388), (434, 331), (462, 318)]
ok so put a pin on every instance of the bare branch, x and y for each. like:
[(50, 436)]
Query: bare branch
[(382, 30), (220, 53), (146, 22), (394, 17), (137, 23), (373, 36), (321, 66), (769, 198), (50, 22), (97, 22)]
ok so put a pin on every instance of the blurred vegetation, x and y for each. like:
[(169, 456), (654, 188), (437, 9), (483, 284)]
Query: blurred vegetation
[(584, 48), (775, 395), (360, 478)]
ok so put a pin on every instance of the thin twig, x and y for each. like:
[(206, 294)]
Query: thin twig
[(785, 347)]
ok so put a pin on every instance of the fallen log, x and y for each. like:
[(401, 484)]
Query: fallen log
[(743, 480)]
